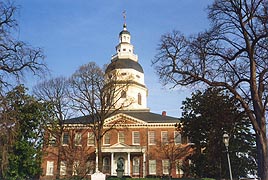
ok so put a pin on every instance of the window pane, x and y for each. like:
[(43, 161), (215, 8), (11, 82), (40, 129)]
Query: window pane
[(91, 139), (136, 165), (50, 168), (52, 140), (107, 138), (65, 138), (177, 137), (136, 137), (77, 139), (90, 167), (121, 137), (62, 168), (151, 137), (106, 165), (139, 98), (164, 136), (76, 167), (165, 165), (152, 166)]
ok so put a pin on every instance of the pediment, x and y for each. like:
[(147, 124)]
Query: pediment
[(122, 118), (120, 145)]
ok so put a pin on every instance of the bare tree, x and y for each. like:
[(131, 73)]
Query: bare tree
[(98, 96), (233, 54), (16, 57), (55, 93), (175, 152)]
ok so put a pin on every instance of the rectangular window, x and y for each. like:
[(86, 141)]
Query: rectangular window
[(52, 140), (179, 166), (177, 137), (63, 168), (50, 168), (65, 138), (165, 165), (151, 137), (77, 139), (90, 139), (152, 166), (164, 137), (90, 167), (136, 166), (121, 137), (76, 167), (107, 139), (135, 137)]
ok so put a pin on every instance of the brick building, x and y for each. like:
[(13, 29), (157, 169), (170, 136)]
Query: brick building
[(148, 144)]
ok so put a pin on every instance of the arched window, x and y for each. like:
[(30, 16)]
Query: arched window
[(136, 166), (123, 94), (106, 165), (139, 98)]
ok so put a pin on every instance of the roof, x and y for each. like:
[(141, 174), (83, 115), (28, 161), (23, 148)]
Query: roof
[(124, 64), (124, 32), (141, 115)]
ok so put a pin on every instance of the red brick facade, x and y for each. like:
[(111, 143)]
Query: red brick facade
[(142, 145)]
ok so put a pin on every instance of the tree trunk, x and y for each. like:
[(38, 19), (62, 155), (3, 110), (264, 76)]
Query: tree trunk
[(262, 150)]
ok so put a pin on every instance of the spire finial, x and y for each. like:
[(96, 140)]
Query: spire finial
[(125, 17)]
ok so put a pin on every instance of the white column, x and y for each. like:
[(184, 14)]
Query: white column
[(97, 161), (144, 164), (128, 163), (112, 163)]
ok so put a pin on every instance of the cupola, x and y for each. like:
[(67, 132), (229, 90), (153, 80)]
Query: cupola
[(124, 64)]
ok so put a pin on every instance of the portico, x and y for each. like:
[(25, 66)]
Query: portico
[(128, 154)]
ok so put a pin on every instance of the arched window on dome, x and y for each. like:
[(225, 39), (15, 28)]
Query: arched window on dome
[(123, 94), (139, 98)]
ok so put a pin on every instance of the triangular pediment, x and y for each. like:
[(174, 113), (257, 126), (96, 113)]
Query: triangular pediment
[(122, 118), (119, 145)]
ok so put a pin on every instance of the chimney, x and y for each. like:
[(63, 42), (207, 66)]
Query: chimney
[(164, 113)]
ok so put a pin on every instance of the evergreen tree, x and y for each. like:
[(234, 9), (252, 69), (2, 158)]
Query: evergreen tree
[(23, 116), (206, 116)]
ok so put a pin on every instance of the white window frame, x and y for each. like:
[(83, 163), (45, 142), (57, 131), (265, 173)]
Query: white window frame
[(179, 164), (63, 168), (176, 136), (107, 135), (151, 138), (90, 167), (78, 139), (165, 166), (136, 166), (135, 139), (76, 165), (50, 168), (52, 140), (152, 167), (90, 139), (164, 140), (62, 140), (121, 137)]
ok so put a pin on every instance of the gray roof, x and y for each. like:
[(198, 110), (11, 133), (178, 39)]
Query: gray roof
[(124, 64), (141, 115), (124, 32)]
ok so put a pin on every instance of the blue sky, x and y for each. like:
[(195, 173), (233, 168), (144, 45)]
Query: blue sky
[(73, 33)]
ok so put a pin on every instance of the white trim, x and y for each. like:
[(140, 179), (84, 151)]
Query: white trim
[(50, 168), (162, 132), (133, 138)]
